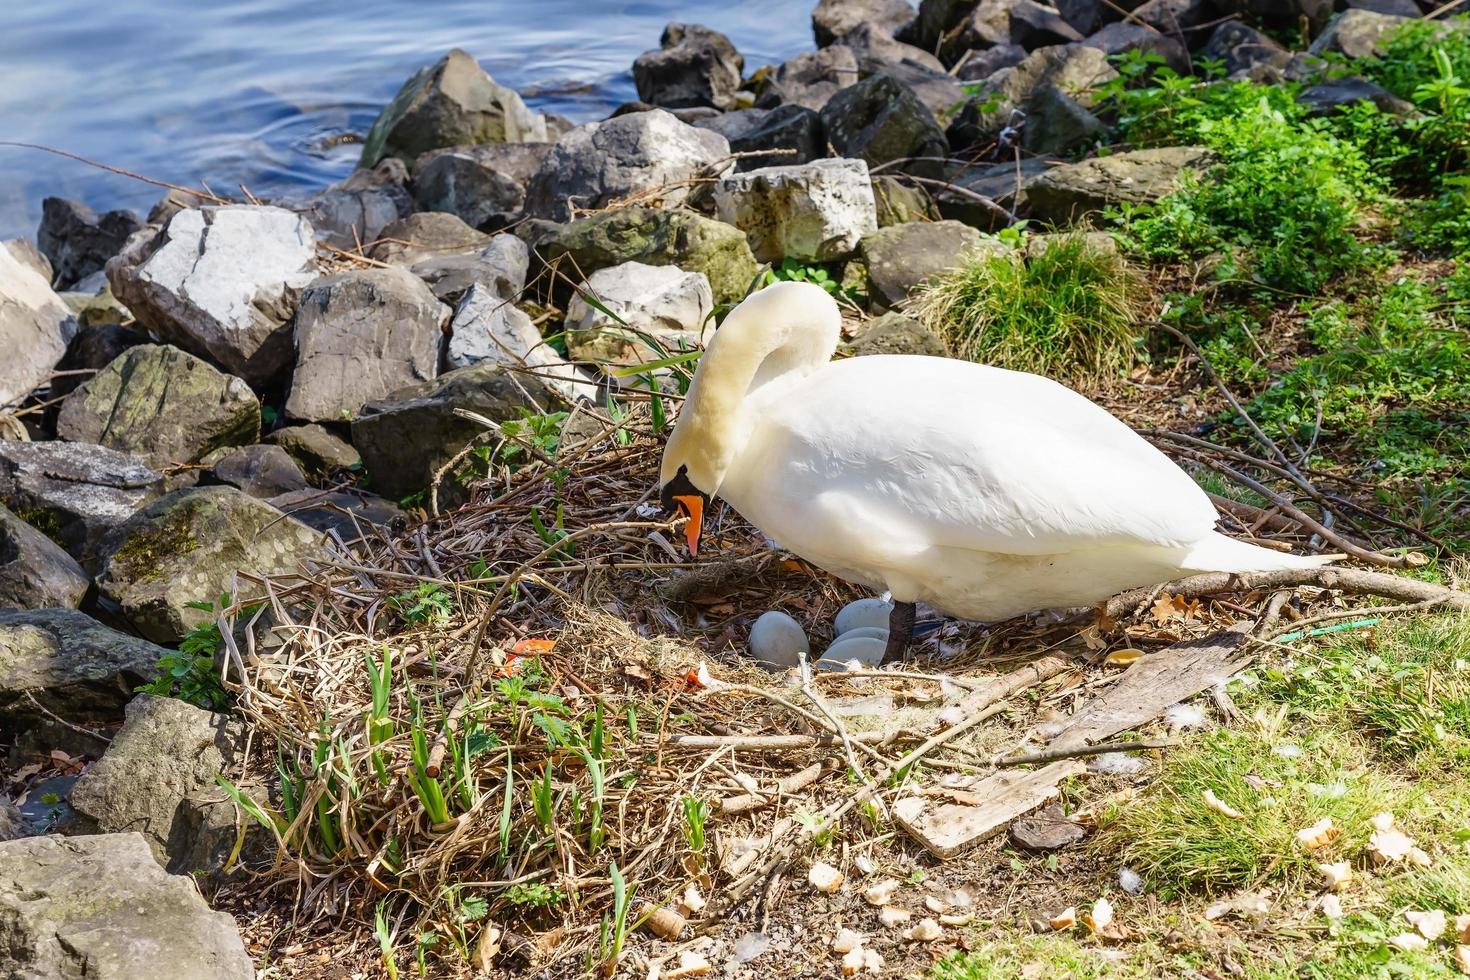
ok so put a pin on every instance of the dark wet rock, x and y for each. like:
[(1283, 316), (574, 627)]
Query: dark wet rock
[(689, 114), (72, 665), (940, 93), (1003, 184), (934, 19), (101, 907), (450, 103), (794, 129), (406, 437), (809, 79), (427, 235), (652, 236), (1124, 36), (1356, 34), (894, 333), (833, 18), (345, 513), (598, 163), (694, 66), (72, 492), (1056, 123), (260, 471), (1286, 13), (1241, 48), (35, 327), (1174, 17), (979, 65), (354, 212), (163, 405), (78, 240), (186, 547), (1034, 25), (485, 186), (35, 573), (900, 258), (898, 203), (1395, 8), (1046, 830), (319, 451), (92, 349), (221, 283), (880, 120), (1330, 97), (360, 335), (1070, 192), (1053, 85), (816, 212)]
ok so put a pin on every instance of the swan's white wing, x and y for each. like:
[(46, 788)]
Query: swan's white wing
[(942, 452)]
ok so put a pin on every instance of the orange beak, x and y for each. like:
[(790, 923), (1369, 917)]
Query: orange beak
[(692, 507)]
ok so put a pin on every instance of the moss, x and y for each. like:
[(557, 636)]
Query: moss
[(143, 552), (42, 520)]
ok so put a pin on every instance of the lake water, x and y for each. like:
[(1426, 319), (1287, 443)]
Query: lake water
[(254, 91)]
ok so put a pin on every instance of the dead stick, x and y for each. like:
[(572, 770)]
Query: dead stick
[(793, 783), (1077, 751), (775, 742)]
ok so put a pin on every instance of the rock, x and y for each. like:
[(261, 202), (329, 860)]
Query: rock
[(1288, 13), (74, 493), (816, 212), (406, 437), (1034, 25), (1124, 36), (1069, 192), (1088, 16), (1240, 49), (162, 404), (354, 212), (1005, 184), (489, 327), (1053, 84), (78, 240), (777, 640), (340, 512), (894, 333), (359, 336), (793, 128), (317, 450), (1328, 97), (979, 65), (654, 237), (901, 257), (695, 66), (29, 256), (424, 236), (1398, 8), (1175, 17), (1046, 830), (13, 823), (161, 765), (1099, 242), (451, 103), (186, 547), (876, 50), (936, 90), (260, 471), (862, 612), (35, 327), (879, 121), (72, 665), (221, 283), (34, 572), (92, 349), (690, 115), (934, 19), (484, 186), (1356, 34), (93, 304), (1056, 123), (662, 301), (833, 18), (102, 907), (598, 163), (810, 79), (173, 201), (898, 203), (975, 27), (501, 266)]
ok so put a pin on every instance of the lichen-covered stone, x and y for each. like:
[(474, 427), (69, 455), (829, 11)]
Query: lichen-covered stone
[(900, 258), (319, 451), (35, 573), (162, 404), (816, 212), (894, 333), (1070, 192), (92, 349), (899, 203), (187, 547)]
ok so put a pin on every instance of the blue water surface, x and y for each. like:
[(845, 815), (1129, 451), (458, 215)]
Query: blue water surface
[(254, 92)]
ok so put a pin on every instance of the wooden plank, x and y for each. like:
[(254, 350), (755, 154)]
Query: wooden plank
[(1156, 681), (948, 829)]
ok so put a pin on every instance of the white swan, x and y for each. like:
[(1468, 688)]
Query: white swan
[(982, 492)]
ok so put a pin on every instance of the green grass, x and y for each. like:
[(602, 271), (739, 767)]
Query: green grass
[(1068, 311)]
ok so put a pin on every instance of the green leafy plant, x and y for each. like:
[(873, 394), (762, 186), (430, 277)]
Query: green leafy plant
[(385, 939), (696, 813), (534, 894), (613, 932), (380, 726), (793, 270), (426, 604), (188, 673)]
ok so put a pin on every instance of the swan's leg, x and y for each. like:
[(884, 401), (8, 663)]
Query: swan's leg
[(900, 631)]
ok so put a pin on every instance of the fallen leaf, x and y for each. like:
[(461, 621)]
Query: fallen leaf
[(1123, 657), (1220, 806), (1318, 835), (487, 947), (1164, 610), (531, 646), (1431, 924)]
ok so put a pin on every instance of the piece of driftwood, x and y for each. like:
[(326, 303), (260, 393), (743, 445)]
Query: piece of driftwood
[(982, 809), (1156, 681)]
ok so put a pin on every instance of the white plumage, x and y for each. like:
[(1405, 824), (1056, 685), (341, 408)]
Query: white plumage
[(982, 492)]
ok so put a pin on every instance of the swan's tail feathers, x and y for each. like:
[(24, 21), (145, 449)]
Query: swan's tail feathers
[(1219, 553)]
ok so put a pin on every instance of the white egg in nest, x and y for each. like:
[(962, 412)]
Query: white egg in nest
[(863, 612), (866, 650), (777, 640)]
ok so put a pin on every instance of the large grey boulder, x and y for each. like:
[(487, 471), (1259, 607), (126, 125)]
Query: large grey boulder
[(163, 405), (599, 163), (156, 776), (662, 302), (70, 665), (694, 66), (74, 493), (501, 265), (901, 257), (815, 212), (186, 547), (35, 327), (360, 335), (450, 103), (880, 120), (221, 283), (833, 18), (652, 236), (488, 326), (426, 235), (405, 438), (794, 133), (809, 79), (101, 907), (1356, 34), (319, 451), (35, 573), (354, 212), (260, 471), (1070, 192), (485, 186), (78, 240), (876, 49)]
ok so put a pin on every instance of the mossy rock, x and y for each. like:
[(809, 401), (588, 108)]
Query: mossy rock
[(894, 333)]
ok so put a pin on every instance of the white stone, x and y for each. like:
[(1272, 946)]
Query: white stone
[(814, 212), (489, 327), (777, 640), (660, 300), (35, 327)]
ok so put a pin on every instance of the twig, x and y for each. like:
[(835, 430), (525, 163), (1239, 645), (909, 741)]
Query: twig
[(1078, 751), (793, 783), (115, 170)]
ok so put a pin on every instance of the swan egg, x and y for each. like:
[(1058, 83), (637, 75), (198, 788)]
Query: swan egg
[(863, 612), (777, 640), (866, 650), (872, 632)]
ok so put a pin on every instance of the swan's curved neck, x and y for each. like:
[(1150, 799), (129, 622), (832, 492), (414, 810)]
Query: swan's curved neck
[(780, 333)]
